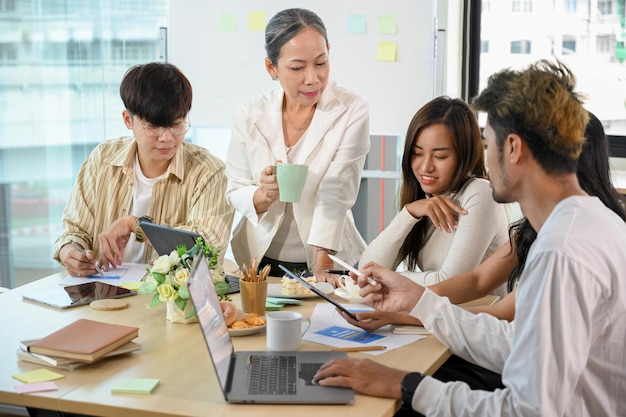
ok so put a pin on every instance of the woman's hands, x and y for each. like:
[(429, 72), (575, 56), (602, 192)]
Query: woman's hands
[(441, 210), (267, 192)]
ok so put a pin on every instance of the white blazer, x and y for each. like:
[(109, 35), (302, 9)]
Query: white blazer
[(334, 148)]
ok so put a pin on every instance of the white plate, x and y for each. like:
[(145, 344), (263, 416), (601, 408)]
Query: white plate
[(273, 290), (340, 292), (247, 331)]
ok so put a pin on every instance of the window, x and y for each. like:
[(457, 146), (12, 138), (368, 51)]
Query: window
[(604, 43), (605, 7), (520, 47), (525, 6), (484, 47), (599, 65), (61, 63), (570, 6), (569, 46)]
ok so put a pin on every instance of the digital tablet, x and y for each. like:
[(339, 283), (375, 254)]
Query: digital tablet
[(77, 295), (318, 292), (164, 239)]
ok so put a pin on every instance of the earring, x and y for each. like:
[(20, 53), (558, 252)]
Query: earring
[(275, 78)]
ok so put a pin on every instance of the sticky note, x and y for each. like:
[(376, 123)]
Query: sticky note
[(133, 285), (135, 386), (387, 51), (357, 24), (38, 375), (387, 24), (256, 20), (36, 387), (227, 22)]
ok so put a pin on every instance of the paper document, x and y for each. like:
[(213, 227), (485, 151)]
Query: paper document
[(131, 272), (329, 328)]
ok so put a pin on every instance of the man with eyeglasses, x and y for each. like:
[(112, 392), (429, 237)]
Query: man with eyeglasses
[(153, 174)]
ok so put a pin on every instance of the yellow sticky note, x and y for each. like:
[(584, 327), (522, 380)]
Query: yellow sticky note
[(256, 20), (387, 51), (132, 285), (387, 24), (227, 22), (38, 375)]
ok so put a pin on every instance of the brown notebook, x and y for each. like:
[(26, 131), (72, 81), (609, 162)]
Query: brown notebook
[(84, 340)]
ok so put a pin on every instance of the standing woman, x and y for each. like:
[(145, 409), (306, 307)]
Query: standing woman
[(449, 222), (307, 120)]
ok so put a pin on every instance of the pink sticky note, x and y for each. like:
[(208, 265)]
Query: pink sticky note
[(36, 387)]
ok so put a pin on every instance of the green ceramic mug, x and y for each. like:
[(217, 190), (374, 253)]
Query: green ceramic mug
[(291, 179)]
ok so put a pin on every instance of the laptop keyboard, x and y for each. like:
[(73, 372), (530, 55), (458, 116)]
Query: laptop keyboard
[(234, 284), (273, 375)]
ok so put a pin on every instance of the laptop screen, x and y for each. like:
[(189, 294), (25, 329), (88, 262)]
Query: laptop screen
[(211, 319)]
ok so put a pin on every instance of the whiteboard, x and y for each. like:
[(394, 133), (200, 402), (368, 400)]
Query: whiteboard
[(226, 67)]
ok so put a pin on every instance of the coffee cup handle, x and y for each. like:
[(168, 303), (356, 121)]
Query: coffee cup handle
[(341, 281), (308, 324)]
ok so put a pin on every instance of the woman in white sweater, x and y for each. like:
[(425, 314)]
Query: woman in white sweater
[(449, 222)]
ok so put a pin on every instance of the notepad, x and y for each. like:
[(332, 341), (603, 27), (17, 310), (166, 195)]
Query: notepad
[(135, 386), (38, 375)]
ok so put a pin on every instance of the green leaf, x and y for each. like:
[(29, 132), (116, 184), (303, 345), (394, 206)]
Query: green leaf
[(155, 301), (159, 277), (222, 288), (147, 288), (181, 303), (191, 312), (183, 292)]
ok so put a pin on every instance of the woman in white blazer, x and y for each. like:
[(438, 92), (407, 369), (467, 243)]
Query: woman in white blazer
[(308, 120)]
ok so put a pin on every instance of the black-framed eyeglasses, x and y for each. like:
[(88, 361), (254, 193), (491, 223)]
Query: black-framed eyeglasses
[(177, 129)]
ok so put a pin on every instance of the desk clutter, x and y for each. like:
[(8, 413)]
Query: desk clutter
[(80, 343)]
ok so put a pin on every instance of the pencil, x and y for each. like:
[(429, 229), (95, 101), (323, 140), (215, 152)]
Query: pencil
[(358, 348)]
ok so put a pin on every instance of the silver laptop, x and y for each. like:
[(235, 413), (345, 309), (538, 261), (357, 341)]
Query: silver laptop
[(263, 376)]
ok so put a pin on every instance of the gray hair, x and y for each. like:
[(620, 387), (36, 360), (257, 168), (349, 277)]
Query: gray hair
[(286, 24)]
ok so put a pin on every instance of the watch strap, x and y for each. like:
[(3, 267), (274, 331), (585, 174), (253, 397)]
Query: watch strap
[(409, 386), (140, 236)]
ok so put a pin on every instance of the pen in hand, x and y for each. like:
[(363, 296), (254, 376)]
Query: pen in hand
[(84, 252)]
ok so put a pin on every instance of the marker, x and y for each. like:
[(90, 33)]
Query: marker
[(349, 267), (358, 348)]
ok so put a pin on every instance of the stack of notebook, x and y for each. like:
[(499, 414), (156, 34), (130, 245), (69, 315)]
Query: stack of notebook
[(80, 343)]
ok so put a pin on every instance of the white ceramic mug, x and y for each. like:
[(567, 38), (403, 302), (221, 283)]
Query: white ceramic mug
[(285, 330), (349, 286)]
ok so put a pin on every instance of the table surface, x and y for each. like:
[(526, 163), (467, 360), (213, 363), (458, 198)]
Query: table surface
[(174, 353)]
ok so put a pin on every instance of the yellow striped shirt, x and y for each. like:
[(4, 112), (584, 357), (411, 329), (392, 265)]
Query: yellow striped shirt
[(189, 197)]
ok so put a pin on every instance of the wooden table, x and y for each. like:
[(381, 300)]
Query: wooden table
[(173, 353)]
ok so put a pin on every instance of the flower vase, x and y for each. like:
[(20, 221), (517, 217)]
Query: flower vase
[(176, 315)]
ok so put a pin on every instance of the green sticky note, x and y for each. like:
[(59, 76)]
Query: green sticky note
[(387, 24), (357, 24), (273, 307), (38, 375), (256, 20), (135, 386), (228, 22), (387, 51)]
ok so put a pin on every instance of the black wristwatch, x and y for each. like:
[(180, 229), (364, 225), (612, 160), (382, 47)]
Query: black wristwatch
[(139, 234), (409, 385)]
